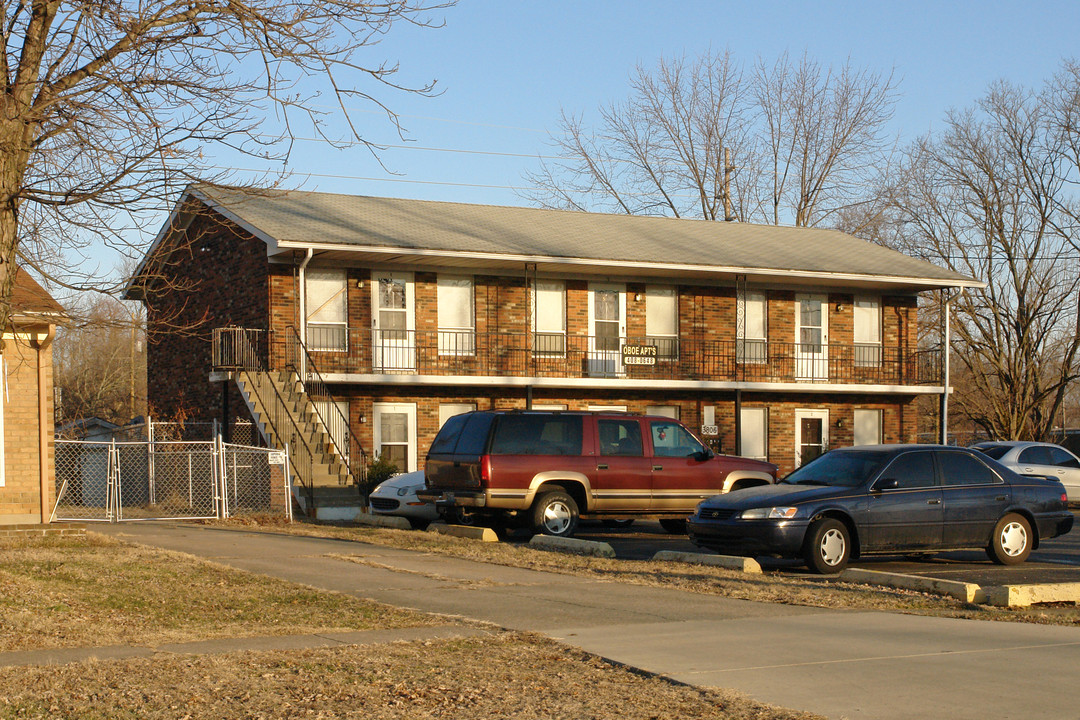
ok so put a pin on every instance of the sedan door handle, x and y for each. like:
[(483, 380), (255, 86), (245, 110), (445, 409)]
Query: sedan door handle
[(1001, 498), (933, 502), (601, 467)]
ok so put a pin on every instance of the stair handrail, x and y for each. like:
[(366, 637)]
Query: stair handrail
[(299, 360), (233, 348)]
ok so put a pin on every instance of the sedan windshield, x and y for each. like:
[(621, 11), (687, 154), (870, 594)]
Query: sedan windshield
[(839, 468)]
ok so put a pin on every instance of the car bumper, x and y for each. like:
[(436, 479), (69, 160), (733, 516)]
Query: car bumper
[(455, 498), (1054, 525), (748, 537)]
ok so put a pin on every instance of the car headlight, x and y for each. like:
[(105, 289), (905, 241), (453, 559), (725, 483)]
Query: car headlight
[(410, 490), (770, 513)]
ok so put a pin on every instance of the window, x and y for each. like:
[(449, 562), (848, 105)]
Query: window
[(963, 469), (754, 433), (670, 439), (671, 411), (1034, 455), (327, 309), (549, 333), (662, 320), (1063, 458), (752, 327), (619, 437), (537, 434), (457, 328), (867, 332), (548, 406), (867, 427), (449, 410), (912, 470)]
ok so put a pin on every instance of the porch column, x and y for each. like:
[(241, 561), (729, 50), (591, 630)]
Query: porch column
[(946, 342)]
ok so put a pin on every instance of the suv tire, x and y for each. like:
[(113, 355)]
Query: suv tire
[(554, 513)]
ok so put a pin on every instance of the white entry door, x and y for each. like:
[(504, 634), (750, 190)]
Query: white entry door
[(811, 337), (393, 319), (394, 434), (811, 435), (607, 329)]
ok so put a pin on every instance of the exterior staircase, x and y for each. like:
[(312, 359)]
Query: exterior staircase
[(287, 418)]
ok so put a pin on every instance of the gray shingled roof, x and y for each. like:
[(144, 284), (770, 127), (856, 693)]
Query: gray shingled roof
[(324, 219)]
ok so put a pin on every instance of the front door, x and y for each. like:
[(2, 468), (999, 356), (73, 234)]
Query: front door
[(394, 434), (607, 329), (811, 435), (904, 510), (811, 337), (623, 472), (393, 321)]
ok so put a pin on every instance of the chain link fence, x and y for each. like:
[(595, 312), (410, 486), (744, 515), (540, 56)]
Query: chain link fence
[(115, 481)]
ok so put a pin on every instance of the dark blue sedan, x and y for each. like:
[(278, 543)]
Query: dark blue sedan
[(884, 499)]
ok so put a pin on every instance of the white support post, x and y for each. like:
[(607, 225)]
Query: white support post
[(945, 372)]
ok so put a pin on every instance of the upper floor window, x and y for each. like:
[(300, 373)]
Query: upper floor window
[(327, 309), (662, 320), (867, 331), (457, 324), (751, 344), (549, 331)]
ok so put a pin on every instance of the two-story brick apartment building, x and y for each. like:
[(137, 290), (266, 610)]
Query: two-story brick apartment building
[(776, 342)]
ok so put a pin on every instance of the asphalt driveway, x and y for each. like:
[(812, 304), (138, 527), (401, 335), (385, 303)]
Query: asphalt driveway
[(843, 664)]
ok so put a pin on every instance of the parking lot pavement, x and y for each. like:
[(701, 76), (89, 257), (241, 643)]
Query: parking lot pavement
[(1056, 561)]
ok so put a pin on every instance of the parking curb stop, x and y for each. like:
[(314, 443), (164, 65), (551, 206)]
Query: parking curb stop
[(572, 545), (386, 521), (744, 564), (482, 534), (967, 592), (1025, 595)]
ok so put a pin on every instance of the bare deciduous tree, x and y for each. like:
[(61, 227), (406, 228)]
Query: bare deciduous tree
[(107, 109), (988, 197), (787, 143)]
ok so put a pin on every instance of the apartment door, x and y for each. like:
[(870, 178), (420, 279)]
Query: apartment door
[(395, 434), (393, 320), (811, 435), (607, 329), (811, 337)]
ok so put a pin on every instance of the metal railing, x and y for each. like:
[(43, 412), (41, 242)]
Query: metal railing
[(335, 422), (579, 356)]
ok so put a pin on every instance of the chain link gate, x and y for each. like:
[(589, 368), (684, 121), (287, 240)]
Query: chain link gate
[(175, 480)]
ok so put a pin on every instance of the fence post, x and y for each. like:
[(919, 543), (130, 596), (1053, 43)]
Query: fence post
[(288, 486)]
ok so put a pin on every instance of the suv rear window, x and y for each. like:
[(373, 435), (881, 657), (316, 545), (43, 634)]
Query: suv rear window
[(537, 435), (462, 435)]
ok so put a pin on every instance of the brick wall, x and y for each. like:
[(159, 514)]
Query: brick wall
[(20, 498)]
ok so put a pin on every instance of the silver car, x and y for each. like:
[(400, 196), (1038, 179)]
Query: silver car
[(397, 496), (1037, 458)]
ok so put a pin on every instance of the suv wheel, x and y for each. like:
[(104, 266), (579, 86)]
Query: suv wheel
[(555, 513)]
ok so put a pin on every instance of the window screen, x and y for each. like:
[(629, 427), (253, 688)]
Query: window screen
[(456, 323), (752, 328), (867, 332), (327, 308), (662, 320), (550, 311)]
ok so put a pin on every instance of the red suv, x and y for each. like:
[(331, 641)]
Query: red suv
[(542, 469)]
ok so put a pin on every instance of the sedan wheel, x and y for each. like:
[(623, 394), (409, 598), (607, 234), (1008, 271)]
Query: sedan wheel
[(1012, 540), (828, 547)]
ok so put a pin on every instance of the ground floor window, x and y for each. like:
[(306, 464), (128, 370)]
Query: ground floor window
[(669, 411), (395, 434), (449, 410), (867, 427), (754, 433)]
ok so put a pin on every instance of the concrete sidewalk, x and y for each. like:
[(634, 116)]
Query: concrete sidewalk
[(842, 664)]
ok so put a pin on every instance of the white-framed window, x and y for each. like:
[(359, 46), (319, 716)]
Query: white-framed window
[(457, 315), (751, 344), (549, 308), (668, 411), (327, 308), (867, 427), (662, 320), (754, 433), (867, 331), (607, 408), (395, 433), (549, 406), (449, 410)]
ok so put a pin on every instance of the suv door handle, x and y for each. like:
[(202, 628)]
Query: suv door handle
[(657, 467), (601, 467)]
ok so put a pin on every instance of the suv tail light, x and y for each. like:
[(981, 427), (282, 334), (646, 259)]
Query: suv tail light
[(485, 470)]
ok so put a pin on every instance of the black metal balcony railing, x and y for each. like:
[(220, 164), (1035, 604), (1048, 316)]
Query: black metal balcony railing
[(455, 353)]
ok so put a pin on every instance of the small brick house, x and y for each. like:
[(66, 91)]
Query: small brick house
[(27, 480), (773, 342)]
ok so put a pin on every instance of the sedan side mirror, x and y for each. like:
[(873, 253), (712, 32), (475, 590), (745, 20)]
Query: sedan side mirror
[(887, 484)]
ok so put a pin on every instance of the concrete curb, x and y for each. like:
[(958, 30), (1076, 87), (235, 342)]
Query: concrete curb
[(967, 592), (482, 534), (1025, 595), (743, 564), (387, 521), (572, 545)]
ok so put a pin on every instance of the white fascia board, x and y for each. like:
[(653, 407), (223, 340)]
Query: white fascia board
[(623, 384), (833, 278)]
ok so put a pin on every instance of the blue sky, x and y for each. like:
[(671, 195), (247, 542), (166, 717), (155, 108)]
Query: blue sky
[(507, 68)]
